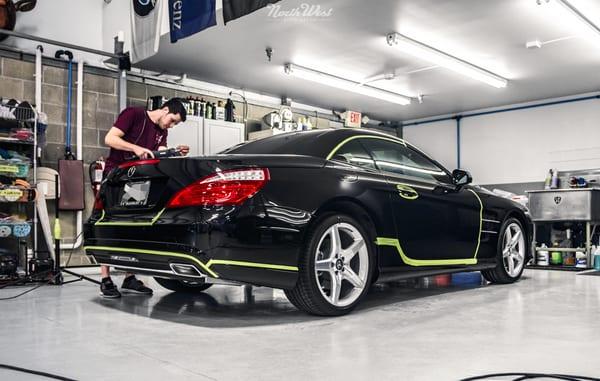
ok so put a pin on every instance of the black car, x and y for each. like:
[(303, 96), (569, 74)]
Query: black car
[(321, 214)]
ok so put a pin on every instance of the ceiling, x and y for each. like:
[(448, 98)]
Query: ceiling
[(351, 43)]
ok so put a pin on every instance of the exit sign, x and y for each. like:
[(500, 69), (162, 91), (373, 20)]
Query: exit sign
[(353, 119)]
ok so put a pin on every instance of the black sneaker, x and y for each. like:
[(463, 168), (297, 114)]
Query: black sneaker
[(133, 285), (108, 289)]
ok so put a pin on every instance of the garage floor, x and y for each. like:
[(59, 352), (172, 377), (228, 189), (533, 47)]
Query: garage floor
[(548, 322)]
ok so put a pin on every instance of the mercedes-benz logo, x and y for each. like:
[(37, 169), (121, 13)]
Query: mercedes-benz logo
[(557, 200), (143, 7), (131, 171)]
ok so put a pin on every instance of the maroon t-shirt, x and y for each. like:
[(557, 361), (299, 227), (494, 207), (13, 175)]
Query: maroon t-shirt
[(140, 130)]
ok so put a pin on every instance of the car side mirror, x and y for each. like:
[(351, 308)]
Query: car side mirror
[(461, 178)]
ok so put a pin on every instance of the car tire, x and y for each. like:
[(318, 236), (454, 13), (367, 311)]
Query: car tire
[(182, 286), (325, 267), (509, 249)]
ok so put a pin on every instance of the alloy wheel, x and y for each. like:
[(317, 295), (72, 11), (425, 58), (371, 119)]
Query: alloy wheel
[(513, 249), (342, 264)]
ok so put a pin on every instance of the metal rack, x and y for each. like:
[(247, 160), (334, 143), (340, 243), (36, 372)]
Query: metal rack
[(566, 206), (27, 147)]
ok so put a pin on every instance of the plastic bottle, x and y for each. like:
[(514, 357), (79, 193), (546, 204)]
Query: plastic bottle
[(596, 259), (543, 256), (308, 124), (548, 180), (581, 259), (556, 256), (229, 110), (220, 111), (554, 182)]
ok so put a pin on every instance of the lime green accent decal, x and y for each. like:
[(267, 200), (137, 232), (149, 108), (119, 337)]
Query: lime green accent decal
[(205, 267), (390, 139), (407, 192), (250, 264), (154, 252), (128, 223), (382, 241), (480, 222)]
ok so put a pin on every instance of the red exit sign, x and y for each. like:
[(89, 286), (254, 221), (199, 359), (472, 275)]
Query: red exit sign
[(353, 119)]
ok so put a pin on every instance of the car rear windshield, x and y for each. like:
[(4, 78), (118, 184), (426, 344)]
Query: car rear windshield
[(293, 143)]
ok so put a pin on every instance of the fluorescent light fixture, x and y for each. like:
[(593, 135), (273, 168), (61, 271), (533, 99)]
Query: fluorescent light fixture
[(580, 16), (309, 108), (345, 84), (437, 57)]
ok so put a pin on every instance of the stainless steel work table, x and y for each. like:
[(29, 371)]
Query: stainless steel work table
[(566, 205)]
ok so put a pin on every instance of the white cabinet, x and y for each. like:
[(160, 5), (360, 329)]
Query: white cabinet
[(206, 136)]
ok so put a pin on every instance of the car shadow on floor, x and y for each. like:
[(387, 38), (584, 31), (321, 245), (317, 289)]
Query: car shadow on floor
[(244, 306)]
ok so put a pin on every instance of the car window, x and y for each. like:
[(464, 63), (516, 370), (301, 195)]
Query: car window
[(354, 153), (403, 160)]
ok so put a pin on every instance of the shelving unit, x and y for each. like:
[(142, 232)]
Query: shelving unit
[(566, 206), (18, 138)]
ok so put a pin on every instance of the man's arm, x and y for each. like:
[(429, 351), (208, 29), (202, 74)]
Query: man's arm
[(114, 139)]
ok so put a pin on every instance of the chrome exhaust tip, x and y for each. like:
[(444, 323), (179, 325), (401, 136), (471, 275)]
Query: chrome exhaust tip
[(185, 270)]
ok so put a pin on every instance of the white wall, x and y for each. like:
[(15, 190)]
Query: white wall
[(115, 18), (77, 22), (517, 146), (520, 146), (438, 140)]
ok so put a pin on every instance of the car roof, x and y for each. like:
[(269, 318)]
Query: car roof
[(318, 142)]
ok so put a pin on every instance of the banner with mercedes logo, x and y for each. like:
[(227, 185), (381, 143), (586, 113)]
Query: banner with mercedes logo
[(146, 16), (188, 17)]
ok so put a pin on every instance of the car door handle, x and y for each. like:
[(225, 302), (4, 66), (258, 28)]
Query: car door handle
[(407, 192)]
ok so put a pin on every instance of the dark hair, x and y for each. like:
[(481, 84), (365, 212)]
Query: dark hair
[(175, 106)]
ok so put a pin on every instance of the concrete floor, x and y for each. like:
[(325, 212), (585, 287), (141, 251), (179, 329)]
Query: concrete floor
[(548, 322)]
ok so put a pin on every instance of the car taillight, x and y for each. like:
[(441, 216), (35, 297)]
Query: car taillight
[(128, 164), (231, 187)]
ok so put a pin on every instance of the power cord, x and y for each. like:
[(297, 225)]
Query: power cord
[(36, 372), (72, 249), (31, 289), (529, 376)]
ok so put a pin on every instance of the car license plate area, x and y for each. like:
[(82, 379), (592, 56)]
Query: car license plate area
[(135, 194)]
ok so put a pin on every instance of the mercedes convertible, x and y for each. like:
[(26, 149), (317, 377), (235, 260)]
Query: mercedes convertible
[(321, 214)]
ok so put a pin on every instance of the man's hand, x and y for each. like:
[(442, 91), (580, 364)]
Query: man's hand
[(183, 149), (142, 153)]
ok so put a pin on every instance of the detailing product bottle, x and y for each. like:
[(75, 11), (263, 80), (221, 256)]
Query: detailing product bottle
[(543, 256), (596, 259), (229, 110), (581, 260), (554, 183), (202, 110), (300, 123), (556, 256), (308, 124), (548, 181), (220, 111), (208, 110), (213, 112)]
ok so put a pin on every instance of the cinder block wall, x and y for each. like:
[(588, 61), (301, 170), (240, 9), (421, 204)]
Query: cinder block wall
[(100, 109)]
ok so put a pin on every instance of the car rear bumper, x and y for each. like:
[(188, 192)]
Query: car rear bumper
[(187, 263), (189, 245)]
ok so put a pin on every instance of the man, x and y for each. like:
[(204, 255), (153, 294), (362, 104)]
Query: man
[(138, 132)]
